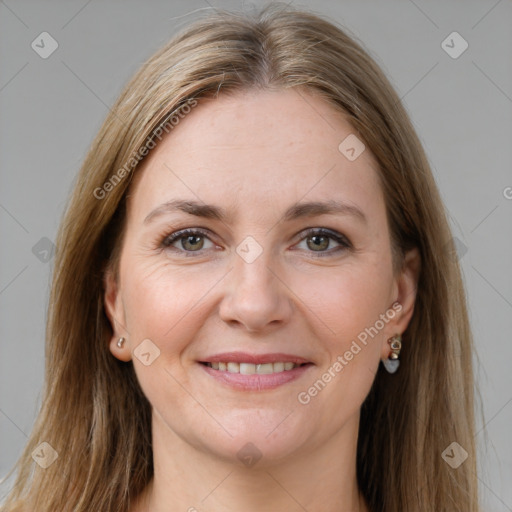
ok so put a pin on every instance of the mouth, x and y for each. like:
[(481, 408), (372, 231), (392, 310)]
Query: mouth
[(249, 372), (253, 369)]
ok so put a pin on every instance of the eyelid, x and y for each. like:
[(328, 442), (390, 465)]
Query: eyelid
[(339, 237), (170, 238)]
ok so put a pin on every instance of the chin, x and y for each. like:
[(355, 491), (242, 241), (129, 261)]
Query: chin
[(259, 439)]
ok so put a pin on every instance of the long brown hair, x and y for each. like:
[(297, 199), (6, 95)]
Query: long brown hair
[(94, 413)]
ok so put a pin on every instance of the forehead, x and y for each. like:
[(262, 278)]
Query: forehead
[(257, 149)]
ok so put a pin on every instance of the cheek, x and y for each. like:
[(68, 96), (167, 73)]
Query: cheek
[(163, 302), (164, 305), (347, 303), (349, 299)]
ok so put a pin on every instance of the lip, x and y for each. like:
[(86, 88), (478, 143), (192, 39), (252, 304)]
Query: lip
[(244, 357), (255, 382)]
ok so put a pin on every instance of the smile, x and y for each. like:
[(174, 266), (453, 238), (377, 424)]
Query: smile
[(251, 369), (242, 376)]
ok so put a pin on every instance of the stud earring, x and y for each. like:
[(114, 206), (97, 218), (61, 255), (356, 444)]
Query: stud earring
[(120, 342), (392, 362)]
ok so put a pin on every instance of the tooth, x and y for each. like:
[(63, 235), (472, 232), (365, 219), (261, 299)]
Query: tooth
[(233, 367), (264, 369), (247, 368), (250, 369), (278, 367)]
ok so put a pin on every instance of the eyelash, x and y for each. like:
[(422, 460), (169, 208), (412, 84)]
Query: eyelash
[(178, 235)]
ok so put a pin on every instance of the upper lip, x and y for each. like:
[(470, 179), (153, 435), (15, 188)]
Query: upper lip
[(244, 357)]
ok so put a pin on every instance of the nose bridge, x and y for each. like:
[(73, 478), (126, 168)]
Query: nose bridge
[(255, 296), (252, 267)]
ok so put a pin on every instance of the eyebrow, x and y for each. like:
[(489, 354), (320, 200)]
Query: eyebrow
[(296, 211)]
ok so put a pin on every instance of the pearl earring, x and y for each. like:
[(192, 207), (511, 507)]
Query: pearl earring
[(120, 342)]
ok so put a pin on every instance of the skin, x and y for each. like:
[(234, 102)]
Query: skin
[(255, 154)]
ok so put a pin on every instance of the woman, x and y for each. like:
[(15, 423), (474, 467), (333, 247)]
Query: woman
[(255, 304)]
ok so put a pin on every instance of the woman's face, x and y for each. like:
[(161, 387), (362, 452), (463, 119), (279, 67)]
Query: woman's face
[(250, 286)]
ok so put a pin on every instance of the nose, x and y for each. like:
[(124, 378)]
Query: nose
[(256, 297)]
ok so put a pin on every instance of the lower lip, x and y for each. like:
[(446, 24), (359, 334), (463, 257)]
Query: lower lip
[(256, 382)]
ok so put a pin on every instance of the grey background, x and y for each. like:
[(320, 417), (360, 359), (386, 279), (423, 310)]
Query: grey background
[(51, 109)]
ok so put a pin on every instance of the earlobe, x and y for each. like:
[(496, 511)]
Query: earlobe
[(115, 314)]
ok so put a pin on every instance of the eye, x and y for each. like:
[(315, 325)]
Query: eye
[(189, 240), (319, 239)]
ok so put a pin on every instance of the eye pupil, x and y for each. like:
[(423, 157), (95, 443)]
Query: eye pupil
[(317, 243)]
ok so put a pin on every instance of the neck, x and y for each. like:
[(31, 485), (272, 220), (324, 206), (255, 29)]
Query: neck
[(185, 478)]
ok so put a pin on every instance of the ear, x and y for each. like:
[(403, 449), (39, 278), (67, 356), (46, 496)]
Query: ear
[(115, 312), (404, 293)]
